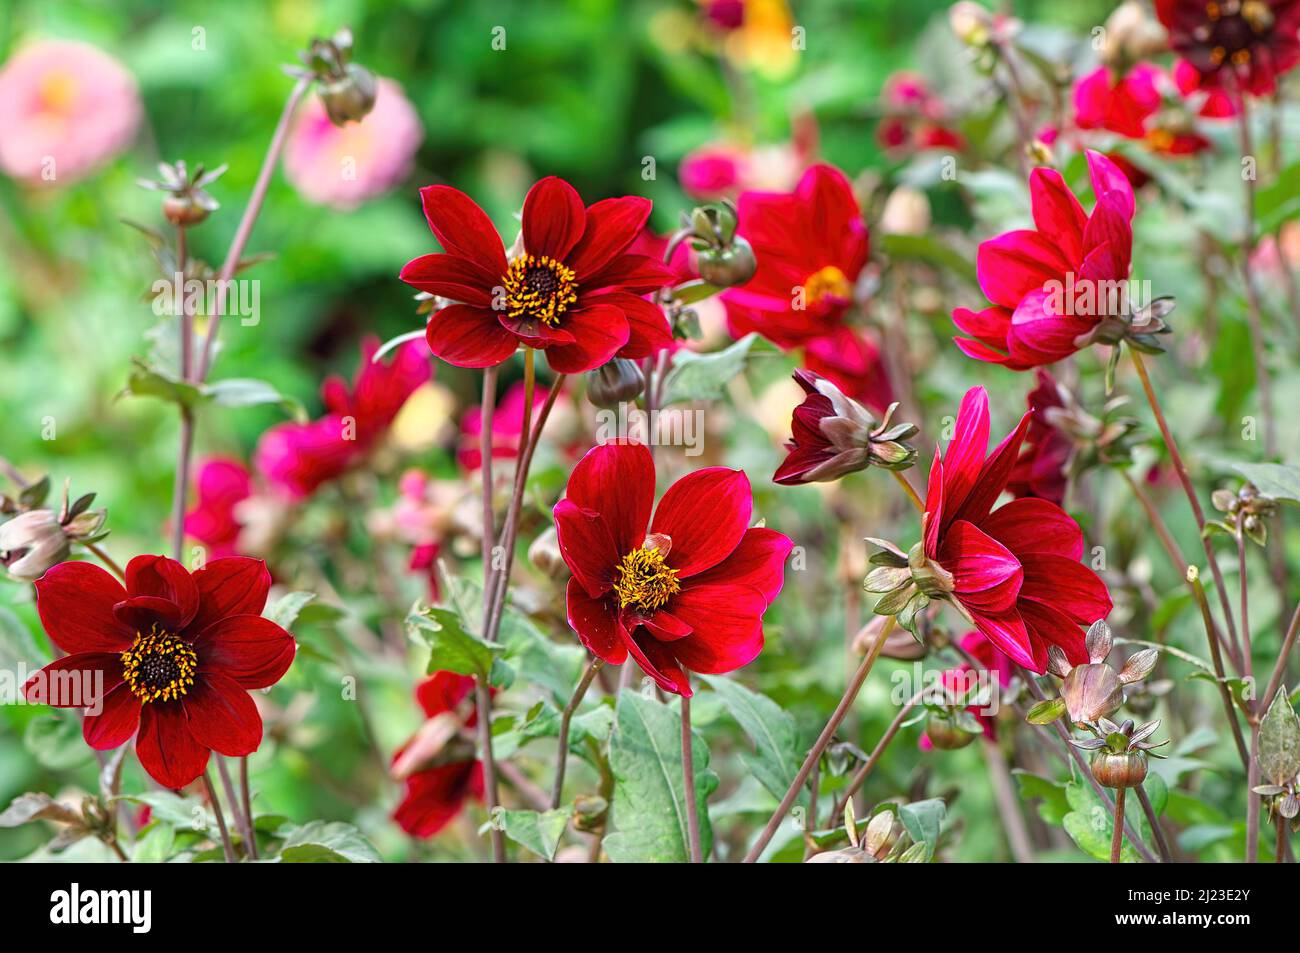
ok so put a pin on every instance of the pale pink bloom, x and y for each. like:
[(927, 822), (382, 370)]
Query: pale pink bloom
[(65, 108), (343, 166)]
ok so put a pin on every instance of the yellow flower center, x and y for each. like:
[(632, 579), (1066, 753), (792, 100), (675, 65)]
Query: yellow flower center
[(539, 288), (645, 581), (159, 666), (827, 283)]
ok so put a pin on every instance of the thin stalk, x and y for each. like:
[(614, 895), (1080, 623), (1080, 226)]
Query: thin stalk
[(1162, 843), (861, 775), (1198, 593), (1279, 844), (1252, 799), (814, 790), (1117, 828), (1008, 807), (841, 710), (911, 492), (566, 716), (482, 696), (688, 785), (248, 805), (227, 848), (181, 485), (1279, 667), (1181, 469), (96, 550), (241, 821), (1245, 606)]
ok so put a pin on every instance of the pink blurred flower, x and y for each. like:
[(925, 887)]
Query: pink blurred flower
[(915, 118), (221, 485), (65, 108), (343, 166), (1121, 104)]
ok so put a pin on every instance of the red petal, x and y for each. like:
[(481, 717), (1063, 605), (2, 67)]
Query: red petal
[(451, 277), (1046, 627), (706, 513), (116, 723), (934, 507), (1057, 213), (553, 218), (638, 274), (1007, 631), (462, 228), (237, 585), (1068, 586), (250, 650), (987, 575), (994, 474), (587, 546), (599, 331), (1035, 526), (989, 326), (648, 331), (666, 627), (656, 660), (612, 225), (435, 796), (1039, 335), (165, 746), (758, 562), (75, 681), (141, 613), (964, 457), (617, 480), (223, 716), (728, 625), (164, 578), (469, 337), (1016, 263), (596, 622), (1108, 179), (75, 602)]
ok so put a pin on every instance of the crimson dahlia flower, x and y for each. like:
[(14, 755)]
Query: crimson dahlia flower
[(173, 654), (689, 594), (1014, 570), (438, 781), (1055, 286), (221, 485), (1121, 104), (1045, 454), (573, 290), (1234, 44)]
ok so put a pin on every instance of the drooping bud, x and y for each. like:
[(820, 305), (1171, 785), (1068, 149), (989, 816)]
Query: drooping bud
[(31, 543), (1131, 34), (1247, 511), (906, 212), (618, 381), (347, 91), (186, 203), (945, 733), (723, 258)]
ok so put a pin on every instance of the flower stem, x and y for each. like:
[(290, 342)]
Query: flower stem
[(1180, 468), (860, 777), (1008, 806), (1245, 606), (1279, 668), (1117, 828), (1198, 594), (228, 788), (578, 693), (248, 805), (482, 695), (841, 710), (911, 493), (106, 559), (226, 847), (688, 785), (1162, 843)]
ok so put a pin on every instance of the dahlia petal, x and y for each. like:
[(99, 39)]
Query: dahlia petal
[(1048, 626), (1039, 335), (469, 337), (596, 622), (164, 578), (1108, 179), (989, 326), (598, 333), (462, 228), (611, 226), (617, 480), (236, 585), (1016, 263), (252, 651), (142, 612), (222, 716), (1068, 586), (982, 352), (453, 277), (964, 456), (1035, 526), (993, 475), (1111, 223), (553, 218), (436, 795), (648, 330), (75, 681), (986, 574), (75, 602), (658, 661), (728, 625), (638, 274), (934, 506), (757, 562), (666, 627), (706, 514), (116, 723), (166, 747), (828, 201), (1007, 632), (587, 546), (443, 691), (1057, 213), (534, 332)]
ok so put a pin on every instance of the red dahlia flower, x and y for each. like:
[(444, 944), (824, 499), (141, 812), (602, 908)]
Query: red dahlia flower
[(173, 654), (849, 358), (688, 595), (221, 486), (300, 457), (438, 780), (1235, 44), (1040, 469), (1014, 571), (811, 245), (573, 291), (1053, 286), (1121, 104)]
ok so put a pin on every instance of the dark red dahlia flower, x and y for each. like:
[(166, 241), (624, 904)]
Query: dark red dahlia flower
[(438, 781), (1054, 285), (811, 245), (1045, 454), (690, 594), (173, 654), (1121, 104), (1235, 44), (573, 291), (1014, 571), (221, 485), (298, 458), (850, 359)]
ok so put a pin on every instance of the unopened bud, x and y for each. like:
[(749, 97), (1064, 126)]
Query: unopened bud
[(544, 554), (615, 382), (31, 543), (350, 97)]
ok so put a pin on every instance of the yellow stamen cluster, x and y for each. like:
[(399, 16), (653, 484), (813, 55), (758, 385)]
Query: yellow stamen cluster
[(159, 666), (539, 288), (645, 581), (828, 282)]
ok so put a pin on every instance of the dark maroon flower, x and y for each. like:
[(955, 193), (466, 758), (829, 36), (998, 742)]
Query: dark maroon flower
[(1235, 44), (1040, 470)]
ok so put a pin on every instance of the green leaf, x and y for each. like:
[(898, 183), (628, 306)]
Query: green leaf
[(155, 843), (146, 381), (249, 392), (1277, 480), (1279, 741), (327, 843), (649, 816), (927, 249), (703, 376), (183, 813), (776, 760), (1046, 712), (1089, 824), (923, 820), (451, 648), (539, 832), (17, 646), (56, 741), (1279, 202), (287, 608), (1054, 804)]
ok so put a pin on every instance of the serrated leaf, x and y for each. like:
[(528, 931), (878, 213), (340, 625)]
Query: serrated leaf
[(703, 376), (451, 648), (319, 842), (539, 832), (773, 731), (648, 815)]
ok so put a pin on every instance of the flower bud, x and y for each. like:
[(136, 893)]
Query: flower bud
[(346, 90), (187, 202), (31, 543), (1092, 692), (727, 266), (589, 812), (906, 212), (1125, 769), (616, 382), (945, 734), (970, 22), (544, 554)]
